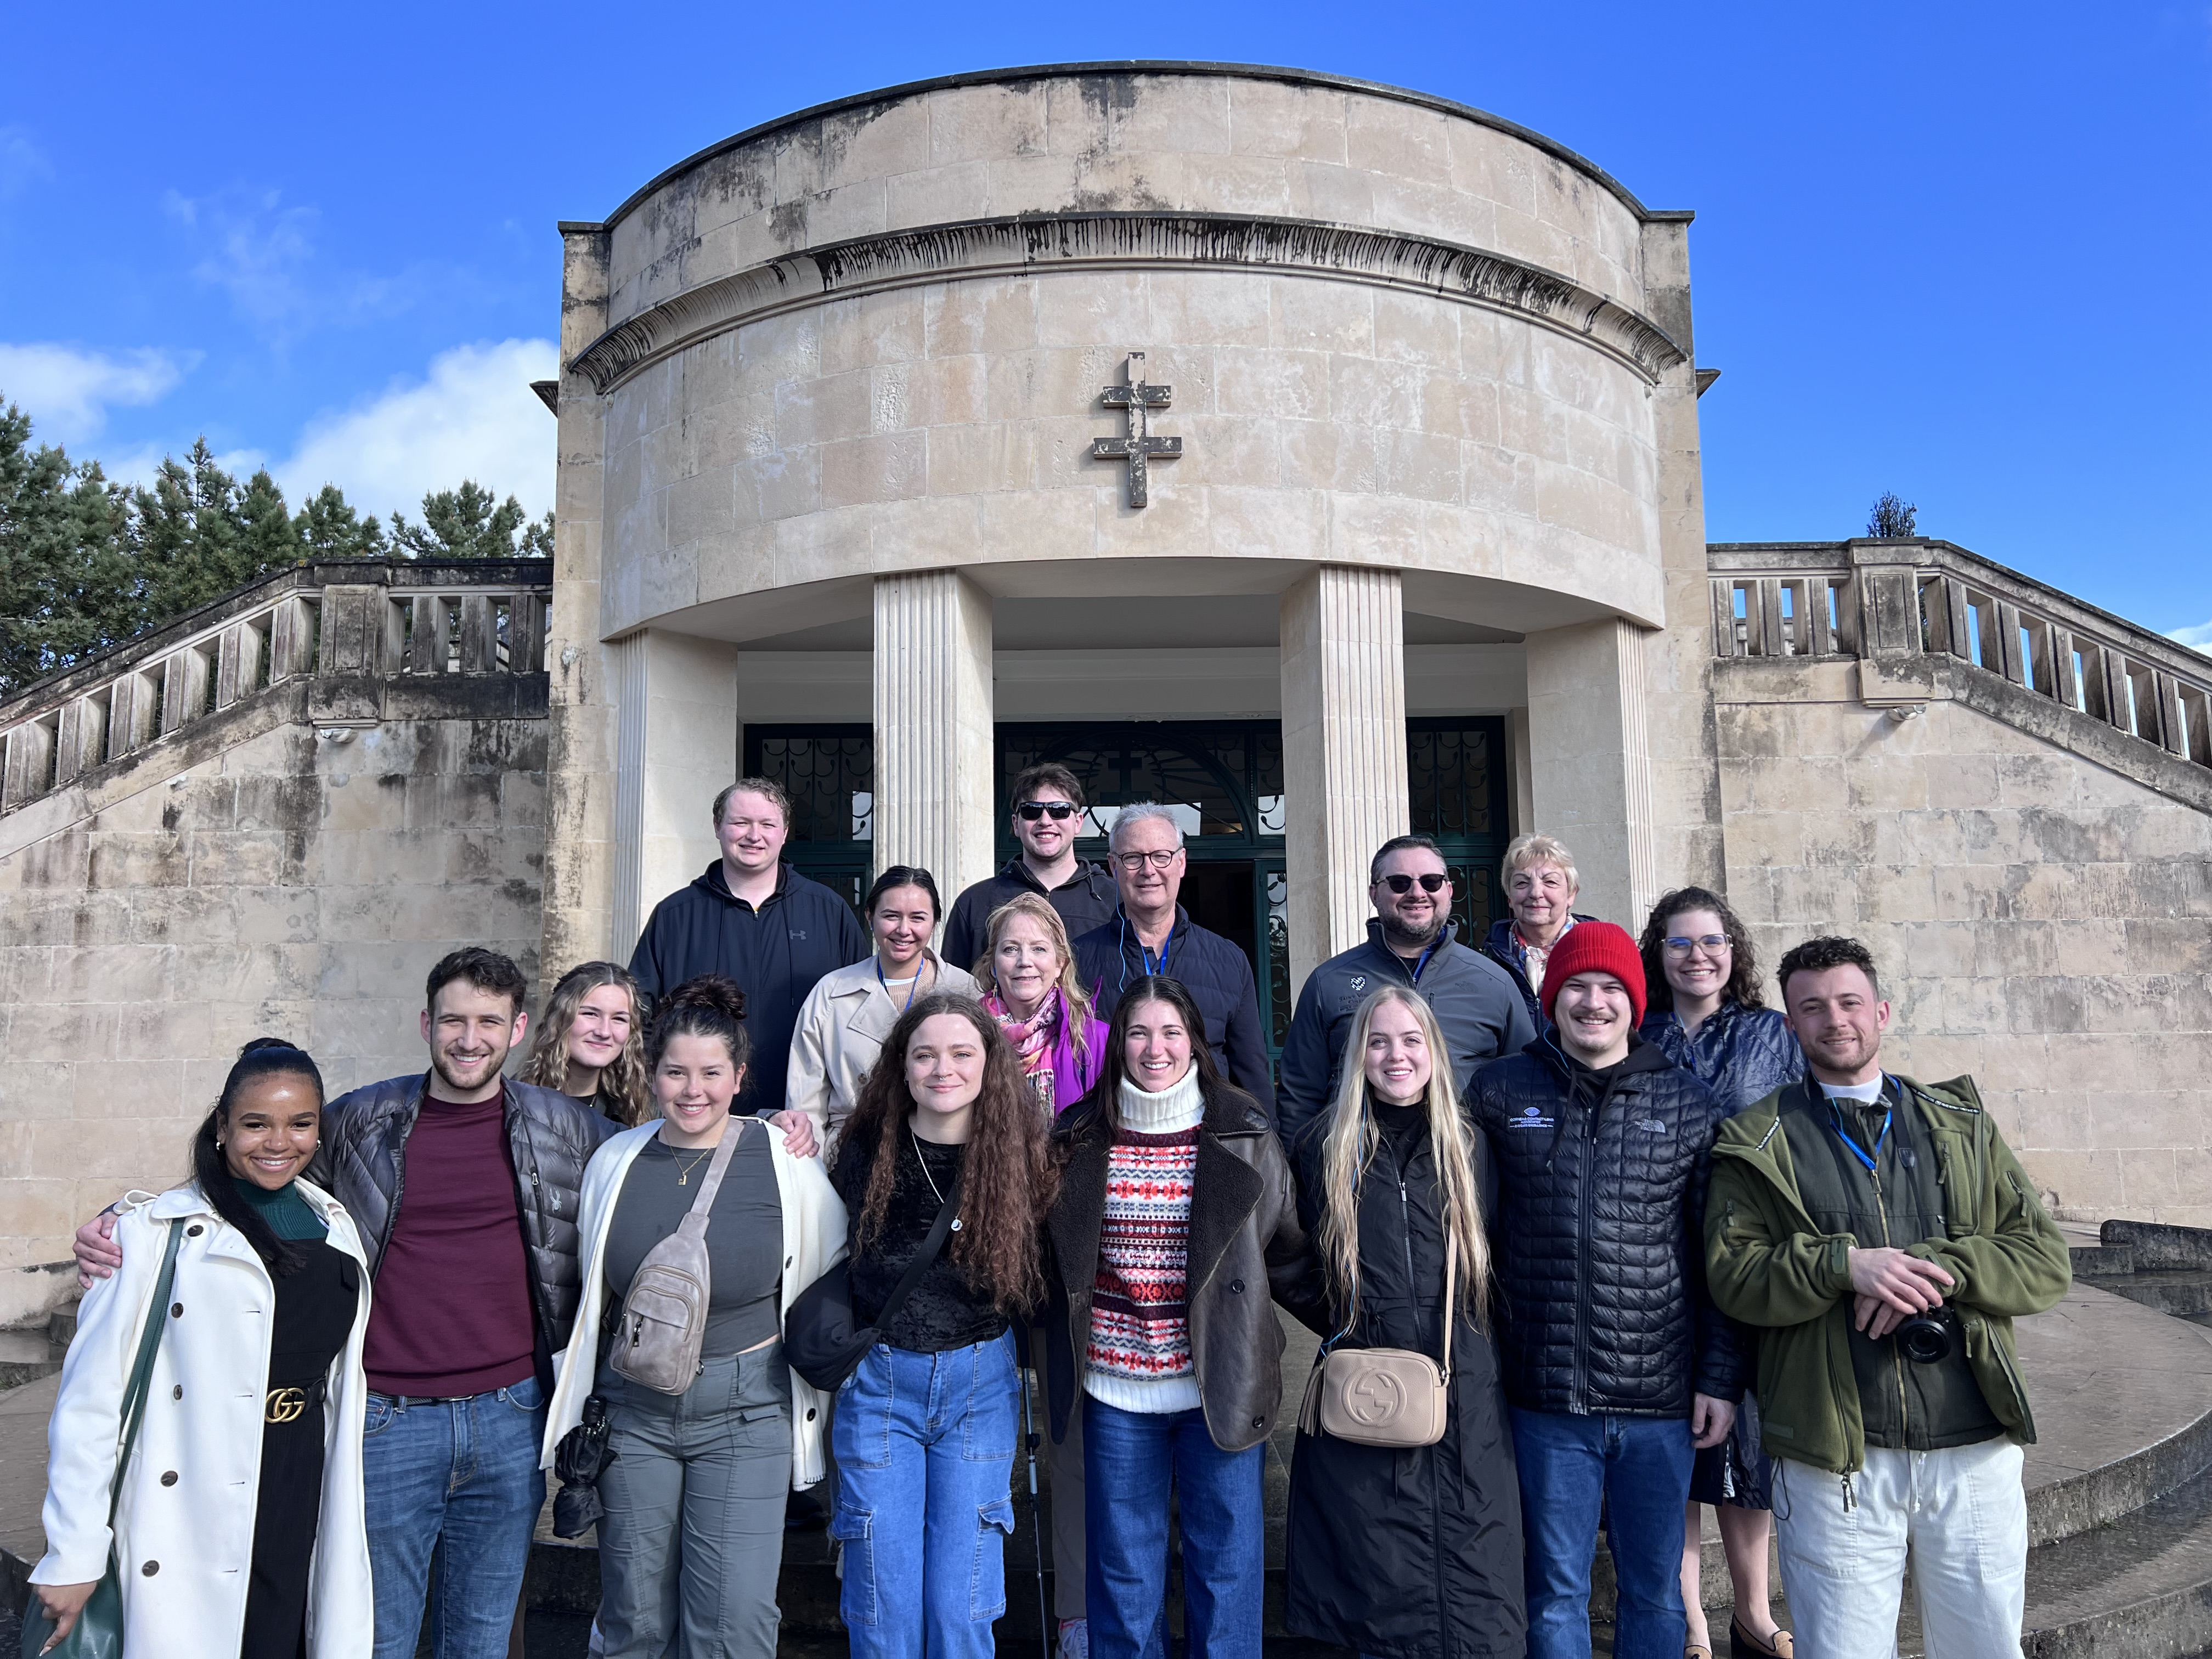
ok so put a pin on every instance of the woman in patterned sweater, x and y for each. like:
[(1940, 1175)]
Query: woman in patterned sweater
[(1176, 1220)]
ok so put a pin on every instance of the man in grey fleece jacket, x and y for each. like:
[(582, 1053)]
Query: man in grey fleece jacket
[(1410, 942)]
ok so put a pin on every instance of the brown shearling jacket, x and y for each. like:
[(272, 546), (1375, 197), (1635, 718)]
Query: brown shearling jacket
[(1247, 1250)]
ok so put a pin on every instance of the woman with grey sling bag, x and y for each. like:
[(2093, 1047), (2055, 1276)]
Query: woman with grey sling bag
[(698, 1229)]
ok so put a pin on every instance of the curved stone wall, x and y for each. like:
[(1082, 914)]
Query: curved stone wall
[(1398, 333)]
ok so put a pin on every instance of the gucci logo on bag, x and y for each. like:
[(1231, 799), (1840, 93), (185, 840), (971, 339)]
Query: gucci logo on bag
[(1374, 1399), (285, 1404)]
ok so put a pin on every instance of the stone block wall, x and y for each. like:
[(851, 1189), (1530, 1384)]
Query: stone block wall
[(2042, 922), (297, 883)]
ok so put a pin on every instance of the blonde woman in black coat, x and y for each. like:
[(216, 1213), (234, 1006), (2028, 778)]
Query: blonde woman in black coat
[(1412, 1553)]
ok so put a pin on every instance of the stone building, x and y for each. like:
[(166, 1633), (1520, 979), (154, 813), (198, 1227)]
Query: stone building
[(1319, 456)]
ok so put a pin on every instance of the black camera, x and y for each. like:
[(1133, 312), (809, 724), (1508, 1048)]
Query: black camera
[(1927, 1339)]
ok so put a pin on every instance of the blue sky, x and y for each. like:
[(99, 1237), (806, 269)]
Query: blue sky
[(1956, 251)]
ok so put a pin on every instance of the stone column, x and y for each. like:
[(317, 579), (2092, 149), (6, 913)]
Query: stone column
[(1590, 756), (578, 902), (676, 746), (1343, 750), (935, 750)]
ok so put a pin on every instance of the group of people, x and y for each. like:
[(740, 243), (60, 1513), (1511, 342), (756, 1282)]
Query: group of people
[(1660, 1246)]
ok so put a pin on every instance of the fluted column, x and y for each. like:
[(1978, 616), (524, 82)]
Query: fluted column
[(933, 727), (1344, 750), (675, 699), (1589, 753)]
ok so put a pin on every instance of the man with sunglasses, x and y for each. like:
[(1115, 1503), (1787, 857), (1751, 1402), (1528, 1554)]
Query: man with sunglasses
[(1047, 816), (1410, 941)]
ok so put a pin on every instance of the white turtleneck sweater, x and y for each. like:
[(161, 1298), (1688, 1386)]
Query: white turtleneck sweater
[(1139, 1357)]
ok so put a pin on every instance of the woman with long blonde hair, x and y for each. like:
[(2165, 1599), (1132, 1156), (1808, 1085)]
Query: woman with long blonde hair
[(590, 1044), (1027, 977), (1405, 1552)]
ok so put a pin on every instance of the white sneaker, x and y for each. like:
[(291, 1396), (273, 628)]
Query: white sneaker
[(1074, 1639)]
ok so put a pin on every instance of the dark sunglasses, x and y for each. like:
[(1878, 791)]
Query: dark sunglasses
[(1431, 883), (1058, 810)]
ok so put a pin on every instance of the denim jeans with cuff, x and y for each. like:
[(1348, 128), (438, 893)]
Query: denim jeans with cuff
[(924, 1446), (452, 1484)]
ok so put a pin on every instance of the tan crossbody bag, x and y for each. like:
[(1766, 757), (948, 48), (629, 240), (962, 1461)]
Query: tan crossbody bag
[(664, 1317), (1384, 1396)]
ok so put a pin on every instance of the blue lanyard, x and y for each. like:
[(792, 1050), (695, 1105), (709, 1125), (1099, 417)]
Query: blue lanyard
[(1421, 966), (1866, 1157), (1143, 952), (921, 962)]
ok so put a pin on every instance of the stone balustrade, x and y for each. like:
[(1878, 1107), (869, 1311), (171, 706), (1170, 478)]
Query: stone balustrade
[(335, 625), (1873, 599)]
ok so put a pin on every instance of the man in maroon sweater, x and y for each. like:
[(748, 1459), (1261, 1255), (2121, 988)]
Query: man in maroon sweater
[(465, 1187)]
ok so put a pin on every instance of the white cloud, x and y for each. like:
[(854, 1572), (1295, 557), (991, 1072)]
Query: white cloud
[(474, 417), (23, 163), (2200, 636), (67, 391), (263, 254)]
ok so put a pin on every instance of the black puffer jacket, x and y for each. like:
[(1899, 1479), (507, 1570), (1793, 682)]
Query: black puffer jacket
[(549, 1137), (1411, 1552), (1599, 1234)]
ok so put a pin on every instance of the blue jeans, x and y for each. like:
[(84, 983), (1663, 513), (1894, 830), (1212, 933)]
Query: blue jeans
[(925, 1445), (456, 1483), (1637, 1468), (1130, 1461)]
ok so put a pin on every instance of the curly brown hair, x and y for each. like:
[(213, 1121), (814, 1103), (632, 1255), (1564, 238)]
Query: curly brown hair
[(624, 1081), (1742, 987), (1006, 1180)]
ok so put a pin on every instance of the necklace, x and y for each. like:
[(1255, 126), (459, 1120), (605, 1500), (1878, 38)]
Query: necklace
[(684, 1175), (926, 1174)]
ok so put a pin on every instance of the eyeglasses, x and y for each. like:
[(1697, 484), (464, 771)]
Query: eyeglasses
[(1133, 862), (1430, 883), (1058, 810), (1712, 944)]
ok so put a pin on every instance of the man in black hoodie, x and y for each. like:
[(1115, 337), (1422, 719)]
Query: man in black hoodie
[(1617, 1363), (1047, 816), (755, 917)]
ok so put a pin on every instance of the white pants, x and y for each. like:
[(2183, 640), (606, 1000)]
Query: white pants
[(1961, 1515)]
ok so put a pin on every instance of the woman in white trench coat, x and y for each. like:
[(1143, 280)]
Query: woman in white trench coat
[(239, 1526)]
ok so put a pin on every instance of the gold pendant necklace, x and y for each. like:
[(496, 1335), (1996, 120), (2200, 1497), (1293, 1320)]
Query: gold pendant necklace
[(684, 1175)]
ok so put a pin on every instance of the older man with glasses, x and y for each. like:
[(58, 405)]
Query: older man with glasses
[(1047, 816), (1150, 933), (1410, 942)]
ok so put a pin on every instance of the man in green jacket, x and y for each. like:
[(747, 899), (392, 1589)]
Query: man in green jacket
[(1880, 1238)]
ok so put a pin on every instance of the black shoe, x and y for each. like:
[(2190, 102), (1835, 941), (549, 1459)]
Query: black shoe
[(802, 1512)]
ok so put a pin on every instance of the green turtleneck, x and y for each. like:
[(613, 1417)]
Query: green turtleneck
[(289, 1215)]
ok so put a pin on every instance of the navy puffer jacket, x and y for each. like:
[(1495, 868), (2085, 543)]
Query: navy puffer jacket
[(1742, 1054), (550, 1138), (1217, 975), (1599, 1234)]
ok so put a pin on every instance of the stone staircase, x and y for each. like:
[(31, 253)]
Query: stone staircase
[(2119, 1486)]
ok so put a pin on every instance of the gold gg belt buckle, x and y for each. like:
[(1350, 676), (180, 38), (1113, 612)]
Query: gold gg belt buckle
[(284, 1405)]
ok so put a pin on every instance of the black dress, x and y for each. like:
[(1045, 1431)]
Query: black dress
[(315, 1309)]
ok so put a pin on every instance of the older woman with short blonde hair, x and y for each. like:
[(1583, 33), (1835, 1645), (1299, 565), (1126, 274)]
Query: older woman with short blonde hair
[(1541, 885)]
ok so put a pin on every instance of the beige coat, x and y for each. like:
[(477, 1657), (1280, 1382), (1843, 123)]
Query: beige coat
[(842, 1028), (813, 1242)]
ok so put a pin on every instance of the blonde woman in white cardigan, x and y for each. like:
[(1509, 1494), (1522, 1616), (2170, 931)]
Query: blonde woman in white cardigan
[(692, 1536), (847, 1016), (239, 1528)]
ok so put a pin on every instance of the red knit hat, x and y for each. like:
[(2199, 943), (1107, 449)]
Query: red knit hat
[(1594, 947)]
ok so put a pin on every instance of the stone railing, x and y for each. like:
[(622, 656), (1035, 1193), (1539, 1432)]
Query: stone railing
[(334, 623), (1871, 599)]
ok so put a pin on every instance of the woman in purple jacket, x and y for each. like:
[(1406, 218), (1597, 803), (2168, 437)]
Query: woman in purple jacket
[(1028, 976)]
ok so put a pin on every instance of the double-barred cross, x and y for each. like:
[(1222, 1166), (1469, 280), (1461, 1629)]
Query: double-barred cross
[(1139, 449)]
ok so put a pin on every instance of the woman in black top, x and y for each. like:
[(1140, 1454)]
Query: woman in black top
[(924, 1428), (1411, 1553), (590, 1044)]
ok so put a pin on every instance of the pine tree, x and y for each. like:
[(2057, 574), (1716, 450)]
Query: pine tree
[(67, 585), (471, 523), (1893, 520), (329, 528)]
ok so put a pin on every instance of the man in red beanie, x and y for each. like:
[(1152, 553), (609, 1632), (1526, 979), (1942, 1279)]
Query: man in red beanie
[(1617, 1363)]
